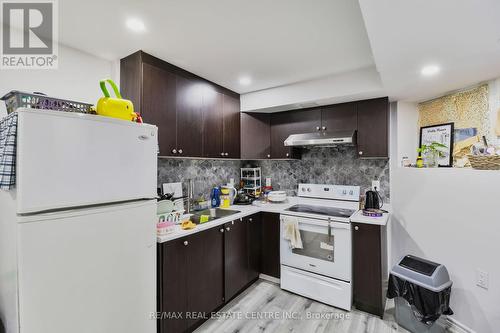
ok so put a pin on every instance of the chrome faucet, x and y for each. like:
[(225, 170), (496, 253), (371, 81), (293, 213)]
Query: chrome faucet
[(190, 195)]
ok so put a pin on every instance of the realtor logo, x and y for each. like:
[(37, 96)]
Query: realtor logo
[(29, 35)]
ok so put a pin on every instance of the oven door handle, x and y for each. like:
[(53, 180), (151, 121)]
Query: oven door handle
[(331, 224)]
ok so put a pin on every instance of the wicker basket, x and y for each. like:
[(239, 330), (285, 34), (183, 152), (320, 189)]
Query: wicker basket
[(484, 162)]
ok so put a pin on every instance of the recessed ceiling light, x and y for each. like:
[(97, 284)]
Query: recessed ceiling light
[(135, 25), (245, 80), (430, 70)]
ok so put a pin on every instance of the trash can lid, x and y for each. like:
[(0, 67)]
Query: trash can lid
[(422, 272)]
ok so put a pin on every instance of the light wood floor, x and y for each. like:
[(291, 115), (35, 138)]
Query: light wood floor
[(264, 307)]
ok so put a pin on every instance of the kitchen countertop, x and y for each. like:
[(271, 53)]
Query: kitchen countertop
[(258, 207), (358, 217)]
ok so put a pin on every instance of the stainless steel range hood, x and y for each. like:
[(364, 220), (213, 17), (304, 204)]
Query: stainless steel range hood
[(321, 139)]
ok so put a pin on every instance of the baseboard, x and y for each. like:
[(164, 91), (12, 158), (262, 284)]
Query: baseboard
[(269, 278), (455, 326)]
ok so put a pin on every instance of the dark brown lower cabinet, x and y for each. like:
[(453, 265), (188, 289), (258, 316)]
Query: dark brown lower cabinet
[(270, 249), (369, 267), (254, 233), (172, 286), (190, 279), (235, 258)]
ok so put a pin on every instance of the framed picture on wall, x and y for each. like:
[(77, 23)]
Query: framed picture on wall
[(443, 134)]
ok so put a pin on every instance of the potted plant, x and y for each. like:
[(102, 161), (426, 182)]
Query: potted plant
[(432, 153)]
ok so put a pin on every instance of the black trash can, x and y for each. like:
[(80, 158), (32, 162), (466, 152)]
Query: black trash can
[(422, 291)]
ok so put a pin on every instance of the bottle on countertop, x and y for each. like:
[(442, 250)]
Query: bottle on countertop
[(215, 197)]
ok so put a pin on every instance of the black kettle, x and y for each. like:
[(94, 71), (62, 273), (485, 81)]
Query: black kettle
[(373, 200)]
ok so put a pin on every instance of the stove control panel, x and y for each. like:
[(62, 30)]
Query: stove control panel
[(325, 191)]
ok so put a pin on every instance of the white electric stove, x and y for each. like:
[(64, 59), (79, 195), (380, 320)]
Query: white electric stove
[(322, 269)]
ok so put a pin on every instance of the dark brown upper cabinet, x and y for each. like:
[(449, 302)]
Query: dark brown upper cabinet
[(189, 118), (195, 117), (213, 124), (373, 128), (231, 129), (286, 123), (339, 117), (255, 135), (159, 105)]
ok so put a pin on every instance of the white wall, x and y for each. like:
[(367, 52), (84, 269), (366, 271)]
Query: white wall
[(77, 77), (450, 216), (351, 86)]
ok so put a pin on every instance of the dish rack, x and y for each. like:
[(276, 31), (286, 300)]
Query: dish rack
[(18, 99), (252, 180)]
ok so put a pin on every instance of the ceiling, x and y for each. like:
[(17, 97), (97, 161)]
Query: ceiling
[(274, 42), (298, 52), (460, 36)]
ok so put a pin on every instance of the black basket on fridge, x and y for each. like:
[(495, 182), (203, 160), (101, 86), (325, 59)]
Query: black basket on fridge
[(18, 99)]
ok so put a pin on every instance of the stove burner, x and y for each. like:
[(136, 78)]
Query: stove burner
[(322, 210)]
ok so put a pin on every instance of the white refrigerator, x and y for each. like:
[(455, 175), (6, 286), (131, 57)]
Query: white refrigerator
[(77, 234)]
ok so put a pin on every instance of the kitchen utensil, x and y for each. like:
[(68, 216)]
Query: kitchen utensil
[(115, 107), (276, 196), (243, 199), (164, 207), (231, 192), (164, 228), (373, 200)]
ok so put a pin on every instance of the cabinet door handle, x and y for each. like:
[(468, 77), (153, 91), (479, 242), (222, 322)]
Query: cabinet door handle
[(356, 228), (186, 243), (221, 230), (360, 153), (268, 156), (323, 128), (174, 151), (317, 128), (250, 220), (228, 228), (287, 154), (226, 154), (180, 151), (221, 154)]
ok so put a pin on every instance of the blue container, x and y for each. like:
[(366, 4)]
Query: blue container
[(215, 197)]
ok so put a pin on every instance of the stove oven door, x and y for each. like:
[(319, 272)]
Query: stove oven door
[(326, 253)]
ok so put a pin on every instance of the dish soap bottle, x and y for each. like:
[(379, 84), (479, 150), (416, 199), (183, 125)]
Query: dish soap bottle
[(215, 197)]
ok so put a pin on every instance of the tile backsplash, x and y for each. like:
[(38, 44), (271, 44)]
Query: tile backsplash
[(205, 173), (339, 165)]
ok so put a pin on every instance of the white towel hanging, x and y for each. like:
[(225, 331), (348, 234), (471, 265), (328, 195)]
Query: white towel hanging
[(291, 231)]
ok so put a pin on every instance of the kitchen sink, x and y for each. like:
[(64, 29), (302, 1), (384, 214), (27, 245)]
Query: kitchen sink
[(218, 214)]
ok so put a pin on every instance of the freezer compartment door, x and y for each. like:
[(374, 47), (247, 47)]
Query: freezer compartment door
[(69, 160), (89, 271)]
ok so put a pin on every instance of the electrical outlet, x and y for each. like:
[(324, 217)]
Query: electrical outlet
[(376, 185), (482, 279)]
